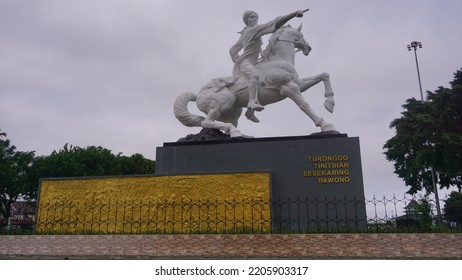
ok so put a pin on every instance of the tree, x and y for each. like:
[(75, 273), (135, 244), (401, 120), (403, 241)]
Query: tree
[(73, 161), (15, 167), (20, 171), (429, 136), (424, 213), (453, 208), (137, 164)]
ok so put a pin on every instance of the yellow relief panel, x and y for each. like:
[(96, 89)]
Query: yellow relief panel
[(182, 203)]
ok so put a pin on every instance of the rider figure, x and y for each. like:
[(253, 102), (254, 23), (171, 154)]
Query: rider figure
[(250, 41)]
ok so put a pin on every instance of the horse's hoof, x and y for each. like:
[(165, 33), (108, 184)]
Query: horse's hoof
[(329, 105), (327, 127), (235, 134), (329, 132), (242, 136)]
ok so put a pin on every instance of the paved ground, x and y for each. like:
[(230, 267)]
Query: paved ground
[(239, 246)]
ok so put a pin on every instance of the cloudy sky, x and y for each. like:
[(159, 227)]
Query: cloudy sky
[(105, 73)]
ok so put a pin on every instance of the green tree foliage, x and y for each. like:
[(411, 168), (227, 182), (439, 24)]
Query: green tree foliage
[(424, 211), (73, 161), (429, 135), (15, 167), (453, 207), (137, 164), (20, 171)]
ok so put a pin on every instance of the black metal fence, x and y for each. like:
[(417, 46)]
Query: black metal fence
[(301, 215), (155, 216)]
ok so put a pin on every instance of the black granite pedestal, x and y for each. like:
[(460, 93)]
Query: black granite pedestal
[(316, 181)]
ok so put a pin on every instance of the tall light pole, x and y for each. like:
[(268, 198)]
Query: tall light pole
[(413, 46)]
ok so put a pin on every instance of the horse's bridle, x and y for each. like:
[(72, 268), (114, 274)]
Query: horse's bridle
[(285, 40), (294, 42)]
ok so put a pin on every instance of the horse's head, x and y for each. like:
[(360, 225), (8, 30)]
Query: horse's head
[(289, 36), (295, 36), (302, 44)]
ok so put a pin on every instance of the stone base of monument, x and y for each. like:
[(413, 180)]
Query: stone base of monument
[(316, 181)]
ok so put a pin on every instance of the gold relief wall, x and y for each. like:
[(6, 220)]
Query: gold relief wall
[(157, 204)]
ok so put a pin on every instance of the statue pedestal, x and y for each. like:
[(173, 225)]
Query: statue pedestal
[(316, 181)]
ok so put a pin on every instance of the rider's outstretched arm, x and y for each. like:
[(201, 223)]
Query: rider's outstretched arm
[(280, 21)]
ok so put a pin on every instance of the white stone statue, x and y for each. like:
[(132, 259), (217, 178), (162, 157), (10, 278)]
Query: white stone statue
[(250, 42), (256, 83)]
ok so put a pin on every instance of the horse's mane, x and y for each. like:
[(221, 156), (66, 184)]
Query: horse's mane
[(269, 48)]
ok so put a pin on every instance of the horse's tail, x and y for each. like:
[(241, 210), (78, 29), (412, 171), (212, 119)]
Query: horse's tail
[(180, 108)]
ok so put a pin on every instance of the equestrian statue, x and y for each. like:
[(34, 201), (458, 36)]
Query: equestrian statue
[(259, 78)]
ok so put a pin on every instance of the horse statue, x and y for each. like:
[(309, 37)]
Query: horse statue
[(222, 102)]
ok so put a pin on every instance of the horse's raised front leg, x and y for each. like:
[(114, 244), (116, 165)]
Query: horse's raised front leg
[(306, 83), (292, 91)]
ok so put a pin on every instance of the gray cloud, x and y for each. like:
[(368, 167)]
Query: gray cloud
[(106, 72)]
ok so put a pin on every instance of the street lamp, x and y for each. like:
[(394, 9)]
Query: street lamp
[(414, 45)]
